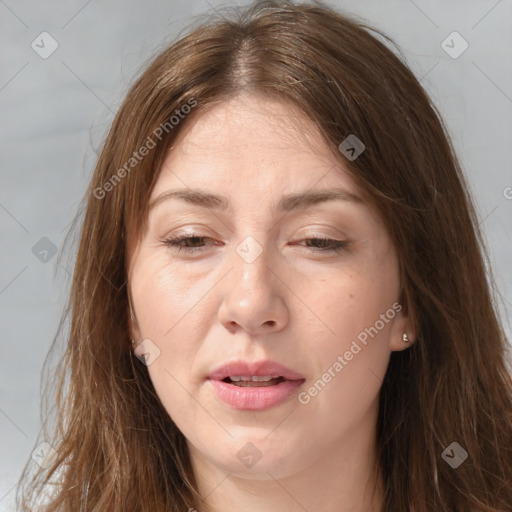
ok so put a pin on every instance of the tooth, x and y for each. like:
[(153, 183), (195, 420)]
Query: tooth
[(254, 378), (265, 378)]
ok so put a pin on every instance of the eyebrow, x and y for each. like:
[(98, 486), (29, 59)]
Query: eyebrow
[(296, 201)]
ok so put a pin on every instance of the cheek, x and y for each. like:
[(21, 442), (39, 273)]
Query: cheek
[(359, 314), (350, 365), (159, 298), (164, 316), (350, 303)]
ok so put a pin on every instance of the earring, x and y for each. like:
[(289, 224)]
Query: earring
[(405, 337)]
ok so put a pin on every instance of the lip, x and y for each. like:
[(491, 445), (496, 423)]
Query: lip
[(255, 398), (256, 368)]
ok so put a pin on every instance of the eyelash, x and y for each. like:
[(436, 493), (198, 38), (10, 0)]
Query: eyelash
[(174, 243)]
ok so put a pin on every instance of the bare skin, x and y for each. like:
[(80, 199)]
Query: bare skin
[(294, 304)]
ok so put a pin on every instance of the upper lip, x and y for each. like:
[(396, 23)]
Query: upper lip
[(255, 368)]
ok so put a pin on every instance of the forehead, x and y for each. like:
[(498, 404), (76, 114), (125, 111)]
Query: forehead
[(253, 146), (245, 121)]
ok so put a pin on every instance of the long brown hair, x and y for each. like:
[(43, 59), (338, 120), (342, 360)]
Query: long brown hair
[(117, 449)]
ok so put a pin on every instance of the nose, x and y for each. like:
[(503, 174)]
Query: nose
[(253, 293)]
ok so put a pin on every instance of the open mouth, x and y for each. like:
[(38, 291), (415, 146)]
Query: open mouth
[(251, 382), (255, 393), (254, 386)]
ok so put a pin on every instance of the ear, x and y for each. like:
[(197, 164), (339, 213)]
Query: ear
[(403, 323)]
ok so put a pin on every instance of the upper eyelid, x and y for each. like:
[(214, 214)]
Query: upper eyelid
[(192, 234), (187, 236)]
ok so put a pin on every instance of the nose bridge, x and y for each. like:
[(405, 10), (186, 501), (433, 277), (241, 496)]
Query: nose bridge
[(252, 298), (251, 261)]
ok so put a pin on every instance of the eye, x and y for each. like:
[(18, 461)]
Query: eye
[(328, 244), (176, 243), (319, 244)]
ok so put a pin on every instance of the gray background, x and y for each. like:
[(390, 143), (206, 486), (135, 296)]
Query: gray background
[(56, 112)]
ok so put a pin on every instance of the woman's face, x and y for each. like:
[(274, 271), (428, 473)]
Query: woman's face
[(253, 285)]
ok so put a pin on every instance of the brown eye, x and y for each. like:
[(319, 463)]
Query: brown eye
[(177, 243), (327, 244)]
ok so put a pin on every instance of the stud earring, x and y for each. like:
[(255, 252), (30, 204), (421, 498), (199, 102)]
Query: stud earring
[(405, 337)]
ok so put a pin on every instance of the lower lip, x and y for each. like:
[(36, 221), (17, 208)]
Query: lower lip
[(255, 398)]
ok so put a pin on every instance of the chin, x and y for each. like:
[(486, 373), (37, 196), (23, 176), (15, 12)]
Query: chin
[(265, 469), (253, 452), (247, 457)]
